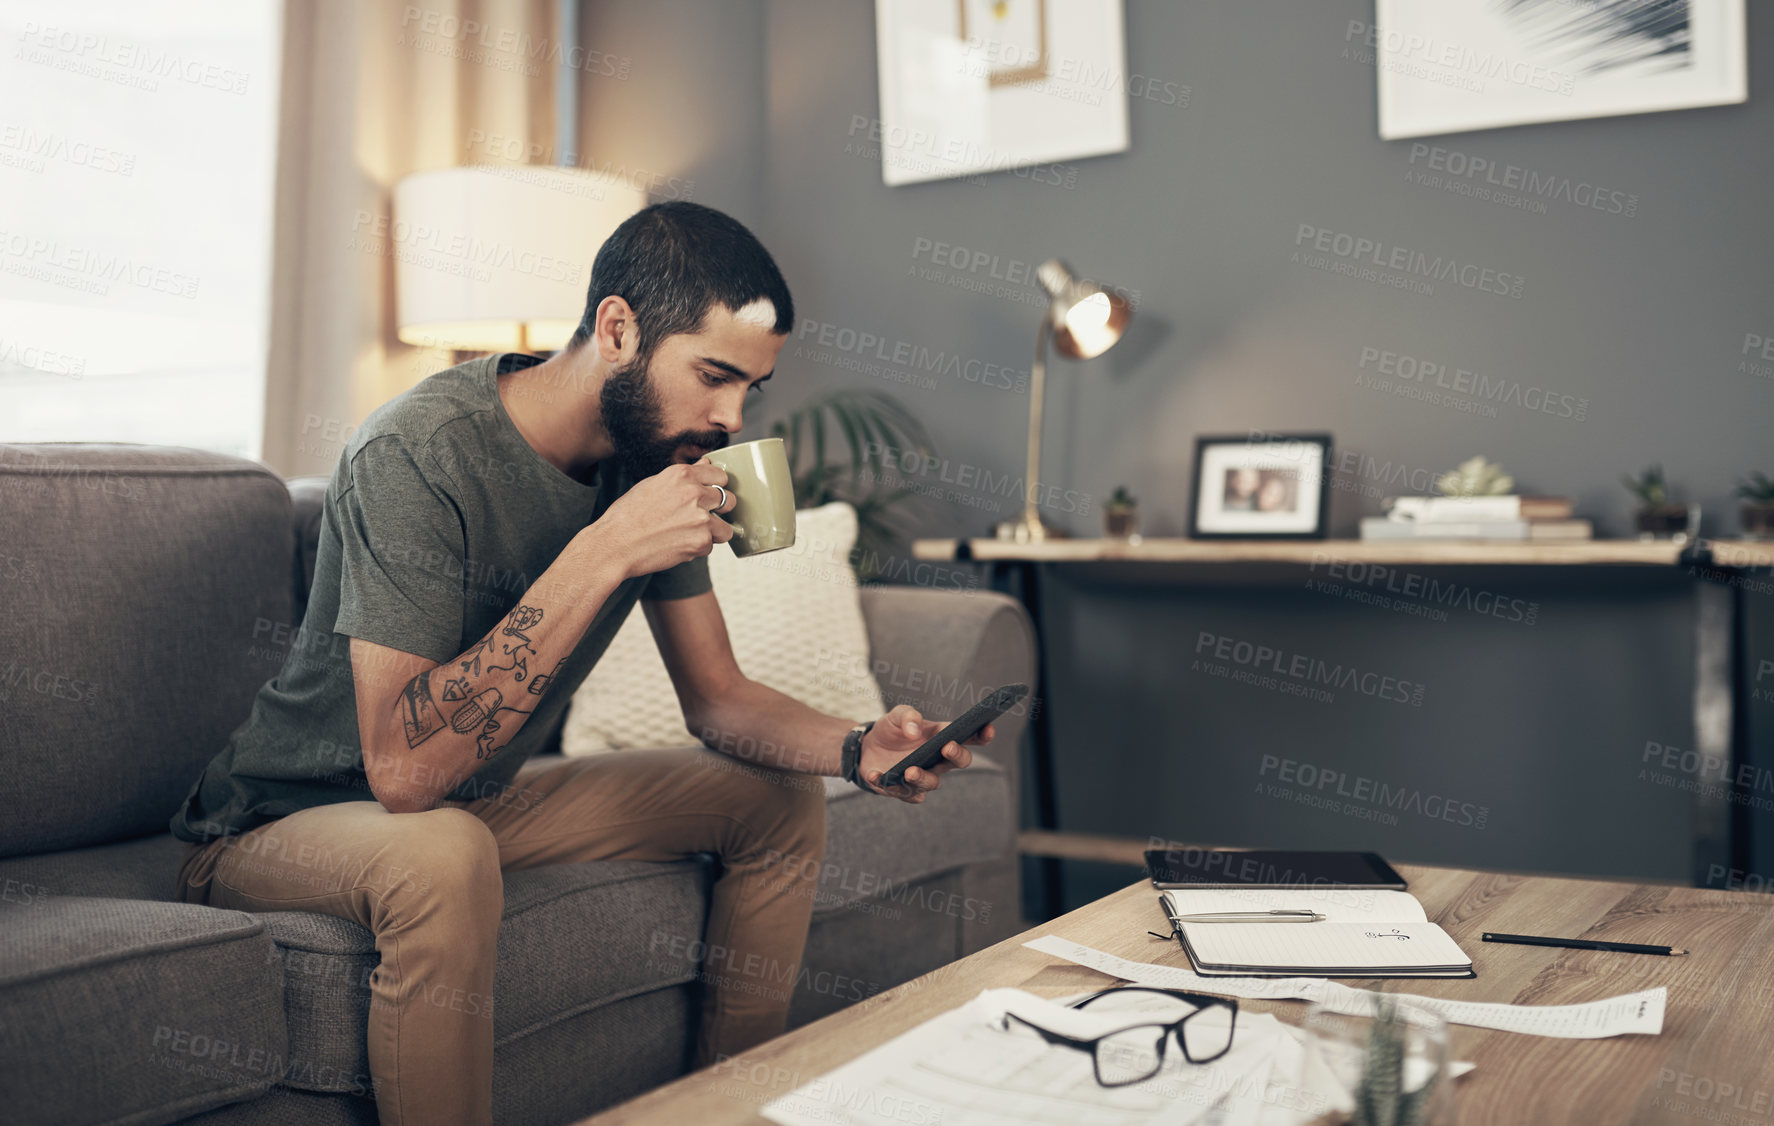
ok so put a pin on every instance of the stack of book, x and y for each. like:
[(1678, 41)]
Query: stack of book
[(1535, 519)]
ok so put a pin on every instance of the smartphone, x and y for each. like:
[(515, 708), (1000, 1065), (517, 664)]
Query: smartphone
[(1246, 868), (972, 721)]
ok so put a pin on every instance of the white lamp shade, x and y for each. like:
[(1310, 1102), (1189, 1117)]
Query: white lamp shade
[(496, 258)]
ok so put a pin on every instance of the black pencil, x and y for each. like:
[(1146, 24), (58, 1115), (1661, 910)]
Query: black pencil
[(1584, 944)]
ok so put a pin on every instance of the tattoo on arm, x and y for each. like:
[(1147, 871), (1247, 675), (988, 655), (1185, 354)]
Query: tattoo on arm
[(539, 684), (520, 664), (418, 712), (484, 747), (523, 618), (470, 661), (476, 711)]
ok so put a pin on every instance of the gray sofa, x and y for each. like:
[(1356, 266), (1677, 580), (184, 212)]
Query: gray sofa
[(144, 592)]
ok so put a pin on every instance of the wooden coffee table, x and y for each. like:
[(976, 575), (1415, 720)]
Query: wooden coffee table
[(1714, 1061)]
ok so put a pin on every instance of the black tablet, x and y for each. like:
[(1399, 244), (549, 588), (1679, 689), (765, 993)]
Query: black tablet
[(1246, 868)]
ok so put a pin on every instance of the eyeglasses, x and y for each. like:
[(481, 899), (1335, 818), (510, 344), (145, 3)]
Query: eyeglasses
[(1136, 1053)]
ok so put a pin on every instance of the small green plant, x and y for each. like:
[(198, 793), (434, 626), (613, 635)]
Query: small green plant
[(1650, 487), (1759, 489), (876, 432), (1121, 499), (1475, 477)]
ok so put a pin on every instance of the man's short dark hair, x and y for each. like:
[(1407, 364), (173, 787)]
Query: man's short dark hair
[(672, 262)]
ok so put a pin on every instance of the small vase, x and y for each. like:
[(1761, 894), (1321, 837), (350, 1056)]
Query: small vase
[(1664, 522), (1120, 523), (1758, 520)]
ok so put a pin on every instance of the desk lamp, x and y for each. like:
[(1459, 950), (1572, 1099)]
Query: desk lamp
[(1084, 320)]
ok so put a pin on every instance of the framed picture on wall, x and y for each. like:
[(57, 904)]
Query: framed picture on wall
[(1261, 486), (1449, 66), (971, 86), (1019, 30)]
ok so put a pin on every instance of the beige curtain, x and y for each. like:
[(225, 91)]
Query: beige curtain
[(374, 90)]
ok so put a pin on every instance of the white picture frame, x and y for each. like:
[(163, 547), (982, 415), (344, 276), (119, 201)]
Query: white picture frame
[(1452, 66), (974, 86), (1272, 487)]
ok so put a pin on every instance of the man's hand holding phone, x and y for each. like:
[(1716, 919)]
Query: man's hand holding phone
[(899, 733)]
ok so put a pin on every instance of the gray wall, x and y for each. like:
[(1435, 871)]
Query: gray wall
[(688, 122), (1643, 316)]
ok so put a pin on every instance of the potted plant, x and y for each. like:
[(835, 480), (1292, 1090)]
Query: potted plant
[(1758, 506), (1121, 515), (1656, 515), (875, 431), (1475, 477)]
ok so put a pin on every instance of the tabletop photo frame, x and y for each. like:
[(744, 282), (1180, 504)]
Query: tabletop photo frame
[(1261, 485)]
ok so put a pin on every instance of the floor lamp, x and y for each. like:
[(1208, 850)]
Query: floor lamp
[(1083, 320)]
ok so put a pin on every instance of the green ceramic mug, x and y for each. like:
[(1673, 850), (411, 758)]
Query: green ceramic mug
[(763, 513)]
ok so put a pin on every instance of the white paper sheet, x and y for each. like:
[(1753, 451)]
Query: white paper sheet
[(1629, 1013), (962, 1069)]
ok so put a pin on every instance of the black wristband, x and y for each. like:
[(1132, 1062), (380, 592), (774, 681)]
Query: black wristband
[(850, 762)]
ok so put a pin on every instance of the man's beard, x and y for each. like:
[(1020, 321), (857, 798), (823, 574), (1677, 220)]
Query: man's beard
[(635, 421)]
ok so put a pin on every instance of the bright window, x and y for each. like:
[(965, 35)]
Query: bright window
[(137, 146)]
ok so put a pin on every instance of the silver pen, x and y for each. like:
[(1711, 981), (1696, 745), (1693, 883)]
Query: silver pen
[(1276, 916)]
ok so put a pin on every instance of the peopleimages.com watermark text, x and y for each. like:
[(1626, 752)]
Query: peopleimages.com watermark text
[(1370, 792), (1297, 673)]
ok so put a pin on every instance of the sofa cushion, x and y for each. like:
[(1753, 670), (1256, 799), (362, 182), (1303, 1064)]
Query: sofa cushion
[(878, 847), (574, 937), (145, 868), (126, 1011), (285, 1106), (625, 928), (575, 1068), (795, 623), (872, 848), (629, 928), (141, 583)]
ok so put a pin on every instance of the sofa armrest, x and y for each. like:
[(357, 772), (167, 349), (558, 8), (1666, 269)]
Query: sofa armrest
[(941, 650)]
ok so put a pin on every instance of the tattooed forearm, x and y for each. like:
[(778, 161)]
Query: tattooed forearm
[(419, 714), (473, 705), (466, 683)]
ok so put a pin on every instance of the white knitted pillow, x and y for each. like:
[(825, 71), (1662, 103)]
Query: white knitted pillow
[(795, 623)]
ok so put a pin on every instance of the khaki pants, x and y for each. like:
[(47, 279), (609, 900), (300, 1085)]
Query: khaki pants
[(428, 886)]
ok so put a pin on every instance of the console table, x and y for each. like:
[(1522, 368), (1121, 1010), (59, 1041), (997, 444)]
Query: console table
[(1720, 834)]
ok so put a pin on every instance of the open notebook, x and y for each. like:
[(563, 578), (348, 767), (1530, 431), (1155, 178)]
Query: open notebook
[(1364, 934)]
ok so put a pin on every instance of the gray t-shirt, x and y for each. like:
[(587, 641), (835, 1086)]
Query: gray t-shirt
[(438, 517)]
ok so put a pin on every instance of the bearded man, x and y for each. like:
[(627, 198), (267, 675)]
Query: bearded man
[(482, 538)]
